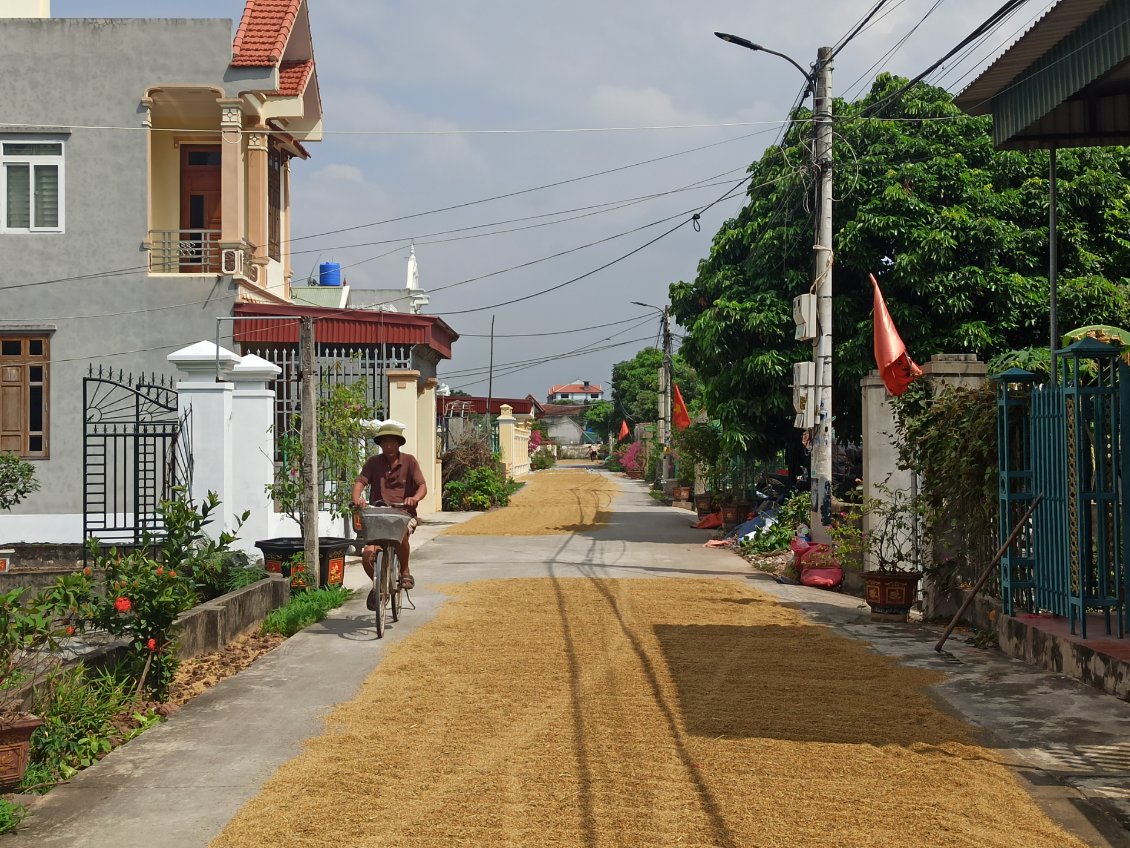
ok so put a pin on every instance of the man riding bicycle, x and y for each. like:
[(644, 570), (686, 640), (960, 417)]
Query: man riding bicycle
[(394, 479)]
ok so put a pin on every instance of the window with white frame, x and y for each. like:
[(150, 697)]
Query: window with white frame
[(31, 185)]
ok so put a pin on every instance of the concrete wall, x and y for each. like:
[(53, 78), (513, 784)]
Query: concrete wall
[(97, 74), (880, 456), (564, 431)]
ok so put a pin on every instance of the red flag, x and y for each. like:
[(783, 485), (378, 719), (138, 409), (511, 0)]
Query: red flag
[(680, 418), (895, 366), (624, 432)]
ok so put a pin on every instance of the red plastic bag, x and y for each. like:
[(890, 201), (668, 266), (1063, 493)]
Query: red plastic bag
[(710, 521)]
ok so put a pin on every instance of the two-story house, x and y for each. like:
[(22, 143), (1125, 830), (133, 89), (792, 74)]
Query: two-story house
[(579, 391), (145, 177)]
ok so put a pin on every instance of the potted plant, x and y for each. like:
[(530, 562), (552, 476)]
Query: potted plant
[(893, 550), (632, 460), (700, 445), (30, 633), (341, 453), (684, 480)]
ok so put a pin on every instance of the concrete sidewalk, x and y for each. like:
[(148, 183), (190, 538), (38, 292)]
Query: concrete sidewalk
[(179, 783)]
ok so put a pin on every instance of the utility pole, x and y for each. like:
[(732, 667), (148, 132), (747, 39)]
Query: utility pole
[(665, 401), (821, 442), (309, 451)]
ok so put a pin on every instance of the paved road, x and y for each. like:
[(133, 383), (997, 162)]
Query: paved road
[(179, 783)]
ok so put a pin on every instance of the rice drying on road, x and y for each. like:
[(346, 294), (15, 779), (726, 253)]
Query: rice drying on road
[(597, 712), (551, 503)]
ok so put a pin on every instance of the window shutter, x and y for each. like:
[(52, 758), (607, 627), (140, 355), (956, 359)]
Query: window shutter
[(18, 179), (46, 195)]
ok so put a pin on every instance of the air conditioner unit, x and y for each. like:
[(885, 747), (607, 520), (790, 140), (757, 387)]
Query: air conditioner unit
[(804, 314), (804, 394)]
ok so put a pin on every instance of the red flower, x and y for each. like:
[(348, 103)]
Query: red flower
[(151, 644), (87, 571), (70, 630), (160, 569), (123, 604), (172, 574)]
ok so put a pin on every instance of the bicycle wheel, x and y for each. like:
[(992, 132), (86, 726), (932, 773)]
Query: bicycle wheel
[(380, 587), (394, 582)]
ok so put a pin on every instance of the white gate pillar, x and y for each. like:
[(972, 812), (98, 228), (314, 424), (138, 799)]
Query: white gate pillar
[(253, 447), (209, 407)]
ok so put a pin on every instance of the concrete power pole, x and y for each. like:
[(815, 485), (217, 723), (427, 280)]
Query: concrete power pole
[(310, 487), (665, 400), (821, 444)]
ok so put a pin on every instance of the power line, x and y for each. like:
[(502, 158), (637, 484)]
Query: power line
[(532, 189), (608, 206), (554, 333), (585, 348), (694, 218)]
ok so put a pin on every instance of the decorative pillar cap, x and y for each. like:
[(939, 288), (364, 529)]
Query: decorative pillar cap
[(252, 368), (200, 362)]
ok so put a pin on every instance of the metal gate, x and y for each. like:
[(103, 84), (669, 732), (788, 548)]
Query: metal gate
[(136, 451), (1066, 440), (337, 365)]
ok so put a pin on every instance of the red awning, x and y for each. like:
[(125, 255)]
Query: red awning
[(343, 327)]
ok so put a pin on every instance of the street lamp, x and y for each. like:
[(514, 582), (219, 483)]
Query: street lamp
[(820, 443), (665, 377)]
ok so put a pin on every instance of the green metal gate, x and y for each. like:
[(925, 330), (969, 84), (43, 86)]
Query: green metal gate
[(1065, 440)]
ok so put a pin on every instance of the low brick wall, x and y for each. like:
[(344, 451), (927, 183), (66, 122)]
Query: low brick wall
[(211, 625), (1055, 653)]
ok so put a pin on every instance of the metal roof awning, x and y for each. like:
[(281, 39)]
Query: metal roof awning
[(344, 327), (1064, 83)]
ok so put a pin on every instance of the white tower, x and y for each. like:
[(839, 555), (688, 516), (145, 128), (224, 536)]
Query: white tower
[(417, 298)]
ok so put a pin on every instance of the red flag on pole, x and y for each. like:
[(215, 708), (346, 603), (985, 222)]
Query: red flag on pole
[(624, 432), (895, 366), (680, 418)]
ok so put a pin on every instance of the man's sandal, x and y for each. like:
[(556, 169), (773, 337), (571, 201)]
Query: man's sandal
[(407, 581)]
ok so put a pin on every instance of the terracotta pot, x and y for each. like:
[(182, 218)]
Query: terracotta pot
[(702, 503), (734, 514), (15, 741), (890, 594), (681, 493)]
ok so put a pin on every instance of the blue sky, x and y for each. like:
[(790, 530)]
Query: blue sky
[(429, 69)]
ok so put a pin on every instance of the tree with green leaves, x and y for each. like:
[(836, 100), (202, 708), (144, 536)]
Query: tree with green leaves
[(955, 230), (635, 385), (599, 417)]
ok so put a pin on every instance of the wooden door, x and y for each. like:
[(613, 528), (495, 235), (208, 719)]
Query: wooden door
[(200, 208)]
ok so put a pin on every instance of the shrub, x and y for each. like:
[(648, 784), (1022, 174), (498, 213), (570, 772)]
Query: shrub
[(632, 458), (479, 489), (17, 480), (304, 609), (78, 712), (542, 459)]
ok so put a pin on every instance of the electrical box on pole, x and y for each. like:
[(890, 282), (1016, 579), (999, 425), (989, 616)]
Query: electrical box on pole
[(804, 394), (804, 314)]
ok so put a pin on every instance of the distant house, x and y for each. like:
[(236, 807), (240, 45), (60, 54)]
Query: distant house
[(565, 424), (579, 391)]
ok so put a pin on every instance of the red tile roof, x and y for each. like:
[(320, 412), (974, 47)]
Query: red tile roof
[(576, 388), (263, 32), (461, 404), (293, 77)]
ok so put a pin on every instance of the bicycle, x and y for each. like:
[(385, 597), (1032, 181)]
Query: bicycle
[(384, 526)]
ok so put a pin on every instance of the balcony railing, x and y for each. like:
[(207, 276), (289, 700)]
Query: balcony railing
[(184, 252)]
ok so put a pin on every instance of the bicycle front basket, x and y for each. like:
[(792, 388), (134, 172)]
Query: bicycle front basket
[(382, 523)]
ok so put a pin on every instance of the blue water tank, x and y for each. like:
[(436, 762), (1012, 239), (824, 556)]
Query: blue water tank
[(329, 274)]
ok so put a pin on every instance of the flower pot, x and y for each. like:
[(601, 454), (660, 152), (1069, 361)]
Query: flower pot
[(681, 493), (890, 594), (277, 554), (734, 514), (634, 475), (702, 503), (15, 741)]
